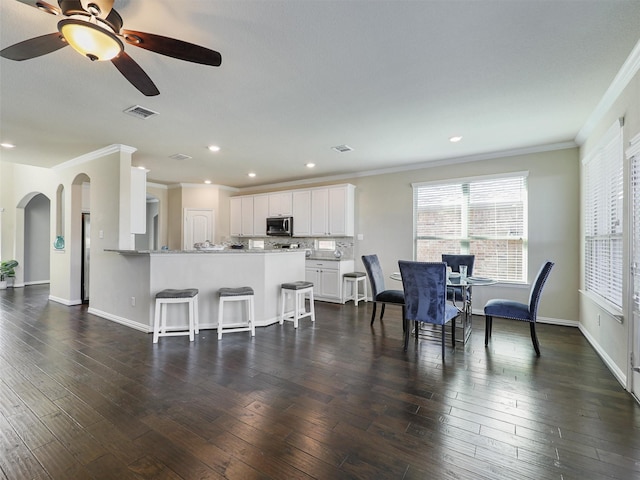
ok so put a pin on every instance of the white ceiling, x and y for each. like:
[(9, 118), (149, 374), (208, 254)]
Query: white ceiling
[(392, 79)]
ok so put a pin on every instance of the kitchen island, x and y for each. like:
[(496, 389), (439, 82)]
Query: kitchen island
[(142, 274)]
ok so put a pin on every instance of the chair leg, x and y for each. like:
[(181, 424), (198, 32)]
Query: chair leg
[(373, 314), (453, 333), (404, 324), (534, 338), (443, 341), (382, 311), (487, 329), (406, 332), (416, 330)]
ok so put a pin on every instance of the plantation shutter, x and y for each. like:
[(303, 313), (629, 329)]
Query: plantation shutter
[(603, 218), (635, 233), (485, 217)]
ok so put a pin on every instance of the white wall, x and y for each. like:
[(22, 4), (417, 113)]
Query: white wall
[(609, 336), (384, 216)]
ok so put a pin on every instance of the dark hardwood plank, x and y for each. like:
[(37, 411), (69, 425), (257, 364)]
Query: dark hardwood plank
[(82, 397)]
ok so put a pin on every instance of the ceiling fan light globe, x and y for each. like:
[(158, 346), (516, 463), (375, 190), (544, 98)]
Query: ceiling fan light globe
[(90, 40)]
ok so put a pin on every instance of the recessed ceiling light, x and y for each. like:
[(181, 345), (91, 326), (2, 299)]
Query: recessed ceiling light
[(7, 145), (208, 182), (214, 148), (310, 165), (251, 174), (455, 138)]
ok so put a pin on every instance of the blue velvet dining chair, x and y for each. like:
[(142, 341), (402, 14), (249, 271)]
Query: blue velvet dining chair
[(454, 261), (379, 293), (512, 310), (425, 290)]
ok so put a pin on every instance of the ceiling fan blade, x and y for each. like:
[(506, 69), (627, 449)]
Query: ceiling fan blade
[(34, 47), (134, 73), (42, 5), (173, 48)]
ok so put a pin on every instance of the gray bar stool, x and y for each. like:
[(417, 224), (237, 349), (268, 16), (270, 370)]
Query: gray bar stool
[(353, 280), (240, 294), (299, 290), (165, 297)]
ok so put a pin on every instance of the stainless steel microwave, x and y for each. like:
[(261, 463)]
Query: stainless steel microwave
[(280, 226)]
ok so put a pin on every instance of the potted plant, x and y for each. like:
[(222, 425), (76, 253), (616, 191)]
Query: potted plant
[(7, 270)]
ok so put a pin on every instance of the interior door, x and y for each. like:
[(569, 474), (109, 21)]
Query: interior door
[(198, 226)]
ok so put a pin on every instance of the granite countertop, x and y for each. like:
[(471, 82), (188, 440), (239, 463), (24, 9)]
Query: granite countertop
[(330, 259), (225, 251)]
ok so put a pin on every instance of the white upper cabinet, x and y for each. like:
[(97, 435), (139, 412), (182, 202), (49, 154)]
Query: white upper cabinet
[(320, 212), (280, 204), (260, 214), (241, 216), (316, 212), (342, 211), (333, 211), (301, 213)]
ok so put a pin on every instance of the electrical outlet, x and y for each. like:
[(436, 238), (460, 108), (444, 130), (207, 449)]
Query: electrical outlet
[(133, 301)]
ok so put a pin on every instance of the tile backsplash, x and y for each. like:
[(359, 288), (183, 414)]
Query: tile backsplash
[(343, 244)]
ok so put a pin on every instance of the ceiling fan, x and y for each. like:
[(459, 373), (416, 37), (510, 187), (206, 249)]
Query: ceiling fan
[(94, 29)]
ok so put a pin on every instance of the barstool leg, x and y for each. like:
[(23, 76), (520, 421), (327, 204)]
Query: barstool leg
[(311, 306), (192, 324), (296, 313), (196, 316), (252, 316), (156, 322), (355, 291), (283, 301), (220, 310)]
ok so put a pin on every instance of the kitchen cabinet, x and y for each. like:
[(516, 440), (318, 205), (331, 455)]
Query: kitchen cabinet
[(241, 221), (260, 214), (326, 276), (332, 211), (316, 212), (301, 211), (280, 204)]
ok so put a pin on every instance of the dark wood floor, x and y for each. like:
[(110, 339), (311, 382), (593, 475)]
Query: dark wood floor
[(82, 397)]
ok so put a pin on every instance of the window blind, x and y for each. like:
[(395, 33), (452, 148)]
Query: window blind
[(485, 217), (635, 215), (603, 218)]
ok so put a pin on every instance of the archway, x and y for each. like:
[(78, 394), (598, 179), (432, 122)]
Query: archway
[(77, 244), (32, 219)]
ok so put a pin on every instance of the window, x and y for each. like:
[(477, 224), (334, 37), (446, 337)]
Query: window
[(635, 215), (486, 217), (603, 218)]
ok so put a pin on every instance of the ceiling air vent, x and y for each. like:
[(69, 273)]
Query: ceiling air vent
[(342, 148), (180, 156), (140, 112)]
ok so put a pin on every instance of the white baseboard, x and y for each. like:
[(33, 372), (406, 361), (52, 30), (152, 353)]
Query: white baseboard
[(64, 301), (37, 282), (147, 329), (611, 365), (121, 320), (551, 321)]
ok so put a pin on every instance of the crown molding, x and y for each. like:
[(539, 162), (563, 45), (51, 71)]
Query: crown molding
[(419, 166), (620, 82), (87, 157)]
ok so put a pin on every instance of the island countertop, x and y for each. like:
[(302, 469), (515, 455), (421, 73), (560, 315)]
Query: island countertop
[(208, 251), (141, 274)]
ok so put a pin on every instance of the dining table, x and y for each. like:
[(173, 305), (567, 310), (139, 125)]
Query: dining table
[(465, 307)]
